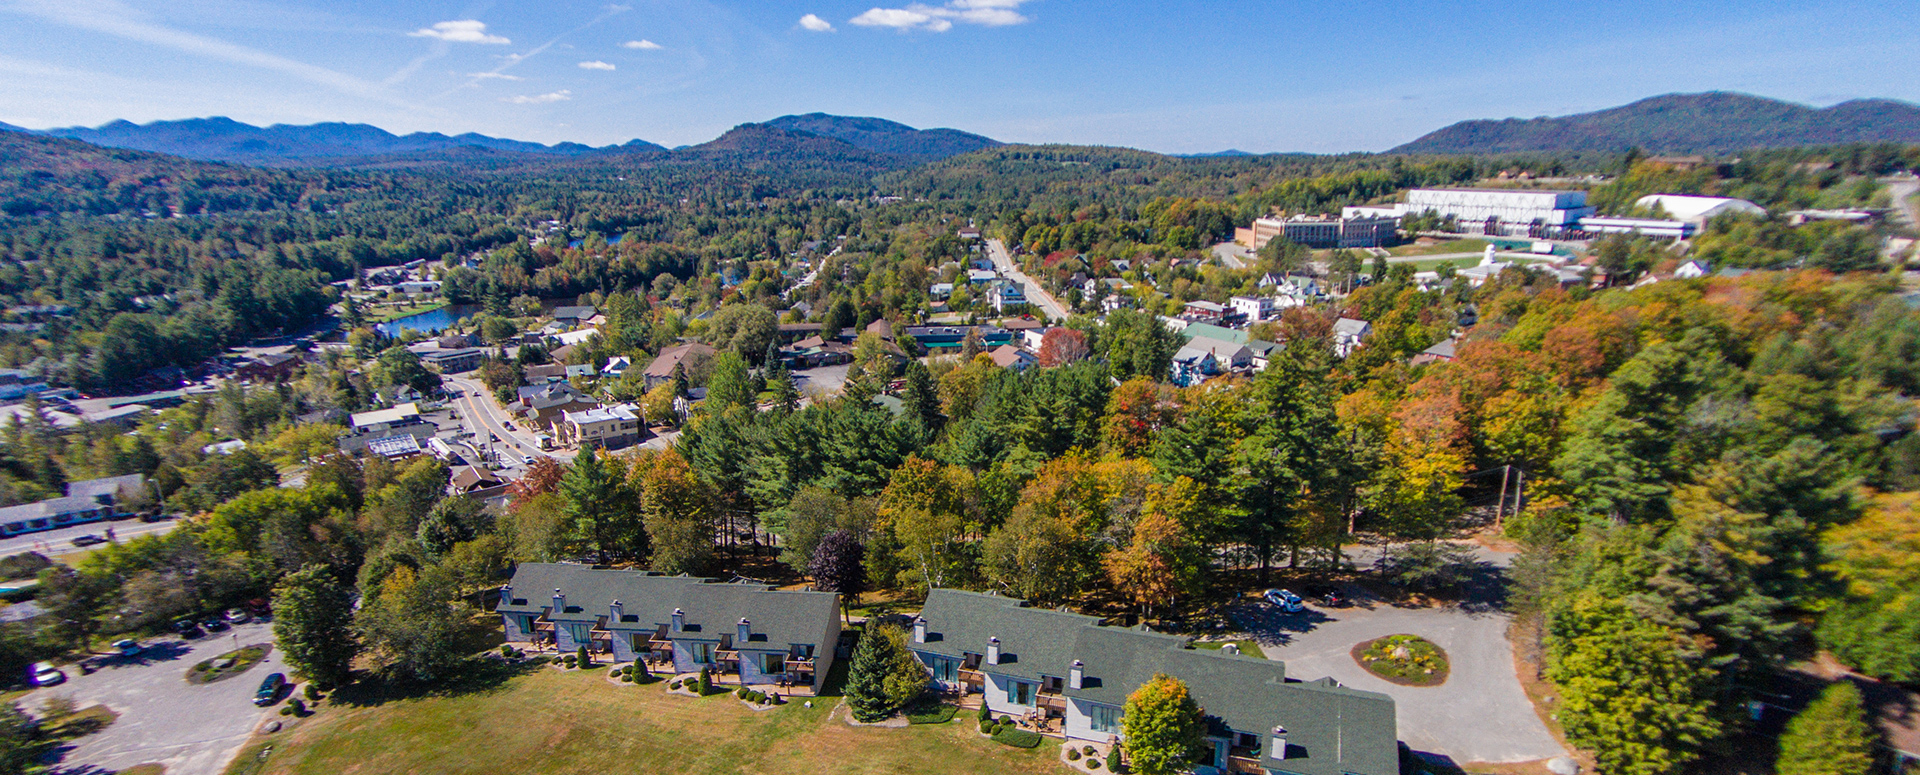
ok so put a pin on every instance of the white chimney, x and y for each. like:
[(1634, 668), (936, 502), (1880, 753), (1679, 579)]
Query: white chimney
[(1279, 743), (679, 620), (559, 602), (506, 595), (993, 651), (745, 634), (919, 630), (1076, 674), (614, 611)]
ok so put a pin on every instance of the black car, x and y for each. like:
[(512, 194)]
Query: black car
[(270, 689), (187, 628), (215, 624), (89, 540)]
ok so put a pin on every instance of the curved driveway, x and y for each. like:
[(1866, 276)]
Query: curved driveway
[(1479, 715)]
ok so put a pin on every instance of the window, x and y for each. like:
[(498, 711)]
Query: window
[(703, 653), (524, 622), (1104, 718), (581, 632), (1021, 692), (944, 668), (773, 664)]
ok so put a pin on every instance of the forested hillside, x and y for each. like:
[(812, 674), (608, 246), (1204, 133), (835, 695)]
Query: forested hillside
[(1711, 122)]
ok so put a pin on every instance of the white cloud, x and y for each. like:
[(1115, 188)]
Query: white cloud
[(495, 76), (597, 65), (539, 99), (643, 45), (815, 23), (462, 31), (918, 16)]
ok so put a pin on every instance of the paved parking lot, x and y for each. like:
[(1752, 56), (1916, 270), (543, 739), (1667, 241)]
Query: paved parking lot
[(1479, 715), (193, 730)]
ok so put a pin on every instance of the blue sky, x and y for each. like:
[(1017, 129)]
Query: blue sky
[(1174, 76)]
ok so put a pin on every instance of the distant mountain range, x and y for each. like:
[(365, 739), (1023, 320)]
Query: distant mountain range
[(340, 144), (1712, 122)]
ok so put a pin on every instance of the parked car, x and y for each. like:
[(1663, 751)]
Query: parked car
[(1328, 596), (156, 516), (128, 647), (526, 459), (239, 615), (45, 674), (187, 628), (215, 624), (270, 689), (1284, 600), (89, 540)]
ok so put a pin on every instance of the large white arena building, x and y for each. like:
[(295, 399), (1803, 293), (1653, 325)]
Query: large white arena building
[(1503, 212)]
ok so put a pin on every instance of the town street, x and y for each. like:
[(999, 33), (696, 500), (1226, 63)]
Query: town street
[(1039, 297), (483, 417), (60, 541)]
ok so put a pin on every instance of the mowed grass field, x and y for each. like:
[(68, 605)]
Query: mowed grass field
[(545, 720)]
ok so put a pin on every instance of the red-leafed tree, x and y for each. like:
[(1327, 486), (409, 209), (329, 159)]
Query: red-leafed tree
[(1062, 346)]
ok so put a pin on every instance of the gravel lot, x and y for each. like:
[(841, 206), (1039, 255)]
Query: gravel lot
[(193, 730)]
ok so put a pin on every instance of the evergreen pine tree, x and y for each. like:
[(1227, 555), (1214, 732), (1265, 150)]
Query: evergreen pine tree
[(867, 679), (922, 400), (1828, 737)]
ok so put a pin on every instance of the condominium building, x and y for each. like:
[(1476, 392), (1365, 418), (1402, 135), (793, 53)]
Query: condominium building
[(1321, 231)]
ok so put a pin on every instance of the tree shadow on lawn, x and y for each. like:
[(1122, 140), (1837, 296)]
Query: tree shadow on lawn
[(474, 676)]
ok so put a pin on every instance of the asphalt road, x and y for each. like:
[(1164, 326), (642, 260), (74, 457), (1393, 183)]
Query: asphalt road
[(1233, 254), (483, 416), (192, 730), (1003, 260), (1902, 191), (56, 542), (1479, 715)]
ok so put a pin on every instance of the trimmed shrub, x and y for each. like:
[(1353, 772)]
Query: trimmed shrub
[(1018, 738), (674, 685), (706, 683), (1089, 750), (1073, 754), (984, 714), (987, 726), (1006, 720), (626, 679), (312, 692), (1092, 763), (506, 650), (1113, 759), (586, 657)]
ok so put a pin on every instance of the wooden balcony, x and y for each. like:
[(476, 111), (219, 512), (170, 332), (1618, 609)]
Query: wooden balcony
[(1245, 761), (1051, 701), (974, 677)]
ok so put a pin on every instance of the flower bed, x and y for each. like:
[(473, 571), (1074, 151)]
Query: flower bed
[(1407, 660)]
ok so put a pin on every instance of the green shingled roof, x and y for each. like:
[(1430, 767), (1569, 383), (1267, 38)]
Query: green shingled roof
[(647, 601), (1330, 729)]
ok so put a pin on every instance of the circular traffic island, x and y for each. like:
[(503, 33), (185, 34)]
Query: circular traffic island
[(1407, 660)]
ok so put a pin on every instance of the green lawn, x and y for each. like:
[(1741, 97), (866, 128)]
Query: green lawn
[(548, 721), (1432, 264), (1449, 246), (1247, 647)]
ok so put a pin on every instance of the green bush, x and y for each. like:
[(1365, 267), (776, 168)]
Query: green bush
[(286, 710), (1113, 759), (312, 692), (1018, 738), (987, 726), (674, 685), (1006, 720), (506, 650), (585, 657), (1073, 754), (626, 679), (984, 714), (1089, 750), (706, 683), (1092, 763)]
